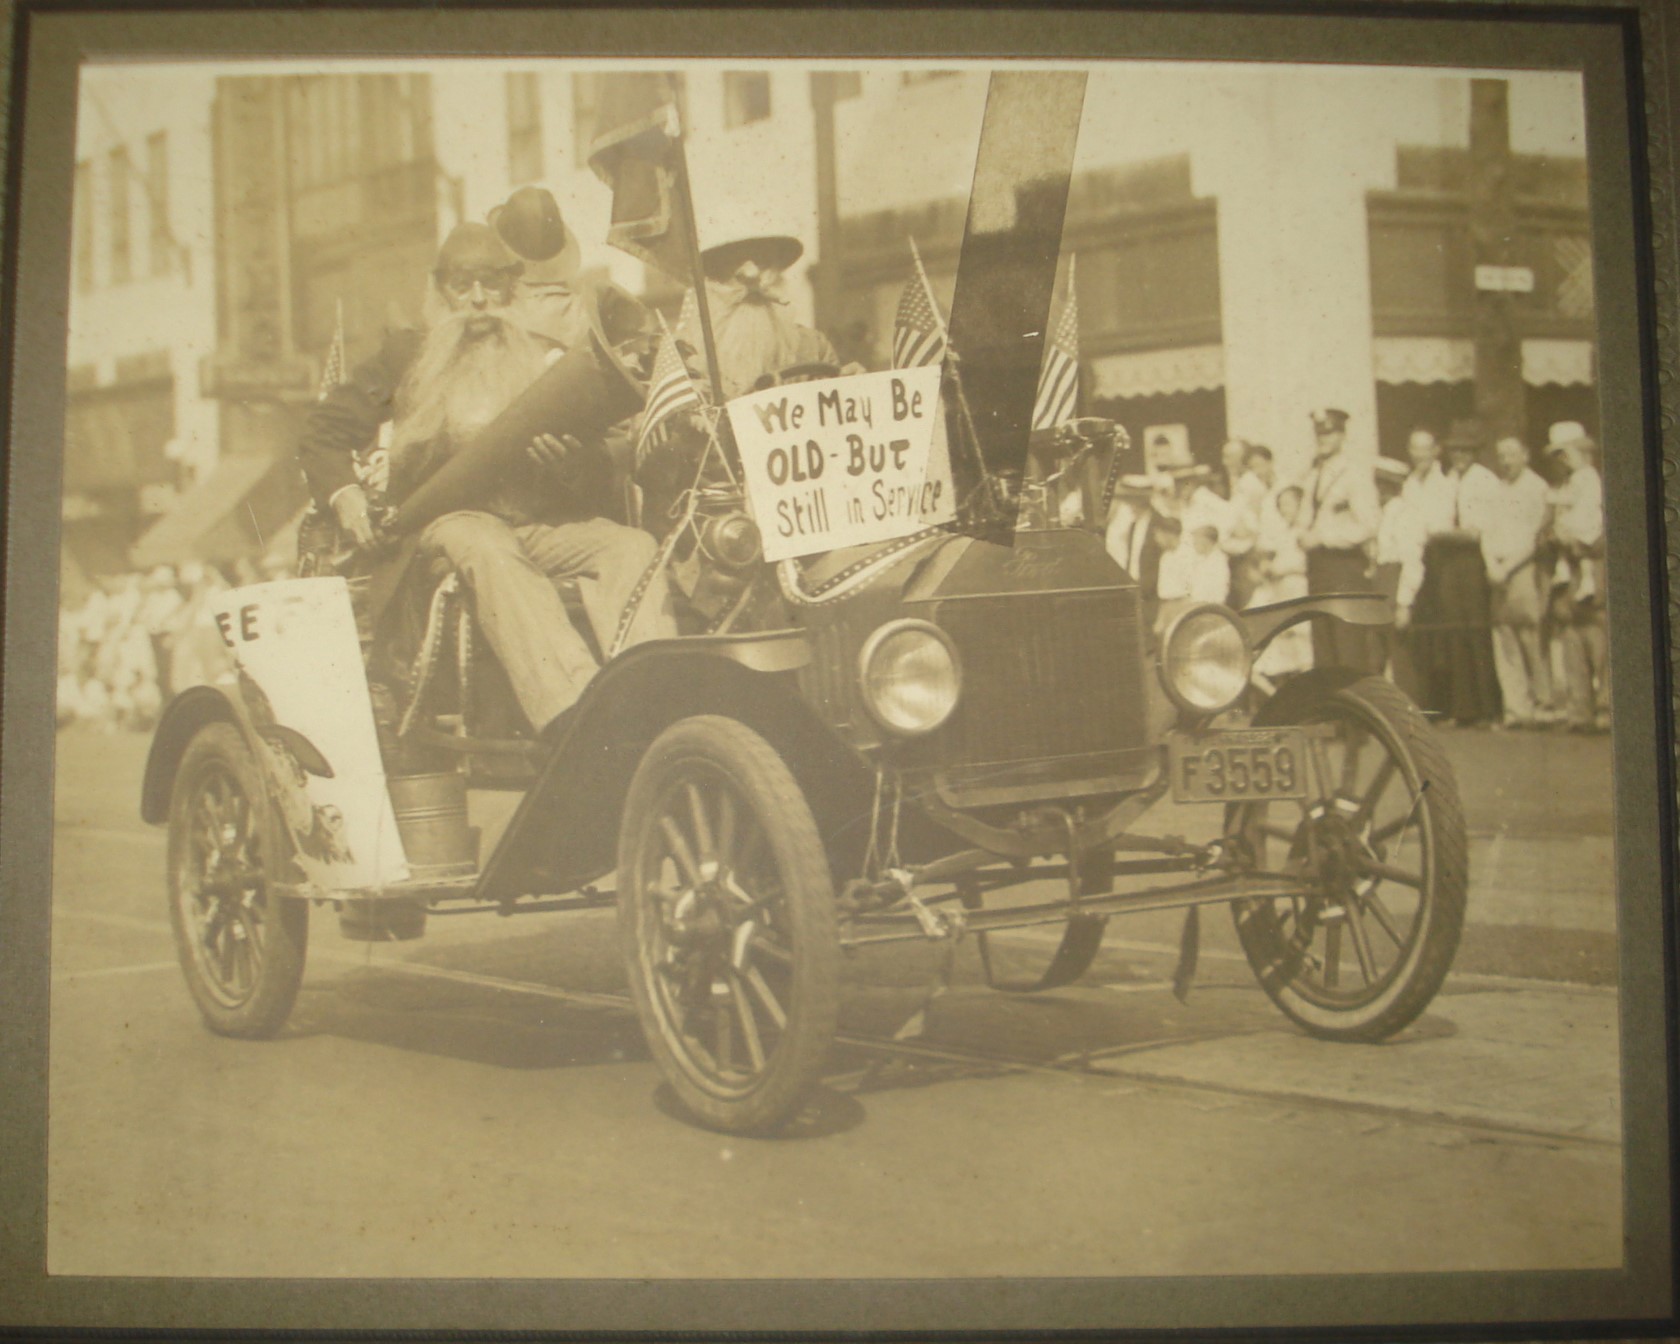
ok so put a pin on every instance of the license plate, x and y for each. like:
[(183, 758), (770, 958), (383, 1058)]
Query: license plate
[(1238, 765)]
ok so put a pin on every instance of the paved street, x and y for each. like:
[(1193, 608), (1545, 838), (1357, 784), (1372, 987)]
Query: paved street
[(481, 1102)]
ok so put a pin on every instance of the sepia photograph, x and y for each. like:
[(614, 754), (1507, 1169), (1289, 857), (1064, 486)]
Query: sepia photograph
[(787, 668)]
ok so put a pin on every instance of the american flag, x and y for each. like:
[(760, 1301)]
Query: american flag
[(918, 333), (1058, 376), (332, 367), (670, 389)]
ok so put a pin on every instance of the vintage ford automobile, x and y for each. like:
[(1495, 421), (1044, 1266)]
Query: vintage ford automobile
[(886, 743)]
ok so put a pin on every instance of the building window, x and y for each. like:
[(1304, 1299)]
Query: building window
[(122, 266), (157, 203), (81, 227), (524, 113), (746, 97)]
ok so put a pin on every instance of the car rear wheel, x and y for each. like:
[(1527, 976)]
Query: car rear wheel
[(727, 920), (1381, 843), (241, 946)]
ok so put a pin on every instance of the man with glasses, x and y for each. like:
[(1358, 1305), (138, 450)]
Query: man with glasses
[(541, 525)]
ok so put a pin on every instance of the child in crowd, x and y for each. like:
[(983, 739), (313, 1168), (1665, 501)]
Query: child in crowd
[(1283, 575), (1193, 571)]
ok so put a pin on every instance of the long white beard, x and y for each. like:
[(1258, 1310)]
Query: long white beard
[(754, 337), (460, 382)]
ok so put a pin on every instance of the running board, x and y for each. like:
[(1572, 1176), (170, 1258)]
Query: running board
[(928, 922)]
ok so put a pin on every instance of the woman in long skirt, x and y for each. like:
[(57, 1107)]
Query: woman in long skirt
[(1452, 633)]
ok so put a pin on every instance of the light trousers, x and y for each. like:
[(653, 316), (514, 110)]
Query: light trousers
[(1525, 678), (513, 571)]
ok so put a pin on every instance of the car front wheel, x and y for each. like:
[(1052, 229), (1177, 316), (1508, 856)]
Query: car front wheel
[(1380, 847), (241, 945), (727, 920)]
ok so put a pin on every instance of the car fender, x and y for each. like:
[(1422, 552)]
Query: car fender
[(1299, 694), (565, 831), (184, 716), (189, 711), (1264, 624)]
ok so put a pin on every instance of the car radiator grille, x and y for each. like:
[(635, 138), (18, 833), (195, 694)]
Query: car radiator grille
[(1044, 675)]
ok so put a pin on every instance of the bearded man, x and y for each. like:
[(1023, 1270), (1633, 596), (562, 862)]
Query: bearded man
[(756, 336), (539, 525)]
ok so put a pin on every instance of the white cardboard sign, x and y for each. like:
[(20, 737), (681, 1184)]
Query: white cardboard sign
[(303, 684), (843, 461)]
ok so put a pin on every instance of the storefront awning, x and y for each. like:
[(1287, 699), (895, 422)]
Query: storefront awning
[(1452, 359), (1567, 363), (1154, 373), (230, 515)]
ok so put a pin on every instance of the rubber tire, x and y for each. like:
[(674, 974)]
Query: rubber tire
[(1391, 713), (763, 780), (286, 936)]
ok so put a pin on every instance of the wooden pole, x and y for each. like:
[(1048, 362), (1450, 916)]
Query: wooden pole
[(1500, 394), (691, 237)]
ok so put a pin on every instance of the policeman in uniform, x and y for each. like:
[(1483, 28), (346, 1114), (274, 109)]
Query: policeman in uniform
[(1339, 517)]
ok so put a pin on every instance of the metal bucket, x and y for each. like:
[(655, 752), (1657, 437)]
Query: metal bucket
[(432, 819)]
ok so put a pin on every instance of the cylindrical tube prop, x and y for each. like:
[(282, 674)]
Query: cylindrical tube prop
[(583, 393)]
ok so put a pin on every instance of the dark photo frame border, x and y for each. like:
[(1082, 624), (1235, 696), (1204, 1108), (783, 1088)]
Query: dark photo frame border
[(1630, 55)]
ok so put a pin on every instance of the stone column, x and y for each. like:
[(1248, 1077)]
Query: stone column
[(1290, 163)]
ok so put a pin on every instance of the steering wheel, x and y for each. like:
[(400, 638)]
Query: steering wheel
[(805, 373)]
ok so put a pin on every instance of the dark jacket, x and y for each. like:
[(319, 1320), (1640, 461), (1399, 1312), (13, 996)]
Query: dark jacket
[(346, 423)]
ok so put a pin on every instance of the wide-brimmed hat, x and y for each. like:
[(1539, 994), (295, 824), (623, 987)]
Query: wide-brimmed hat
[(1391, 469), (744, 228), (1567, 434), (531, 224), (778, 250), (1466, 433)]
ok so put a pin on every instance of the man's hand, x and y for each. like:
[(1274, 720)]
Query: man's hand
[(350, 507), (550, 451)]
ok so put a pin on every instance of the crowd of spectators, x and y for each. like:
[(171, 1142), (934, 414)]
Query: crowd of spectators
[(138, 639), (1496, 572)]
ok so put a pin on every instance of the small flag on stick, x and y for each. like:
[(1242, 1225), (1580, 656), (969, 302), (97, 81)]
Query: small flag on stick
[(918, 330), (332, 367), (670, 389), (1058, 376)]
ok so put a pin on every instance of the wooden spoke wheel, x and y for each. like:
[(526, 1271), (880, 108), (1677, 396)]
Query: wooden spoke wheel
[(1381, 841), (726, 914), (241, 947)]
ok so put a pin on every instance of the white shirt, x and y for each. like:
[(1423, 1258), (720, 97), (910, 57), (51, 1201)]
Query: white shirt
[(1400, 538), (1340, 507), (1580, 508), (1124, 538), (1279, 546), (1429, 500), (1514, 521), (1186, 572), (1475, 497), (1205, 508), (1247, 504)]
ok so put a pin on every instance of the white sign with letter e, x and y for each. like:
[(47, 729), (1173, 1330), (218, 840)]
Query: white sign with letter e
[(844, 461), (303, 687)]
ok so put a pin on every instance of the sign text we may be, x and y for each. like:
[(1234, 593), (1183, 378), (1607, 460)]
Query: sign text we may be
[(844, 461)]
